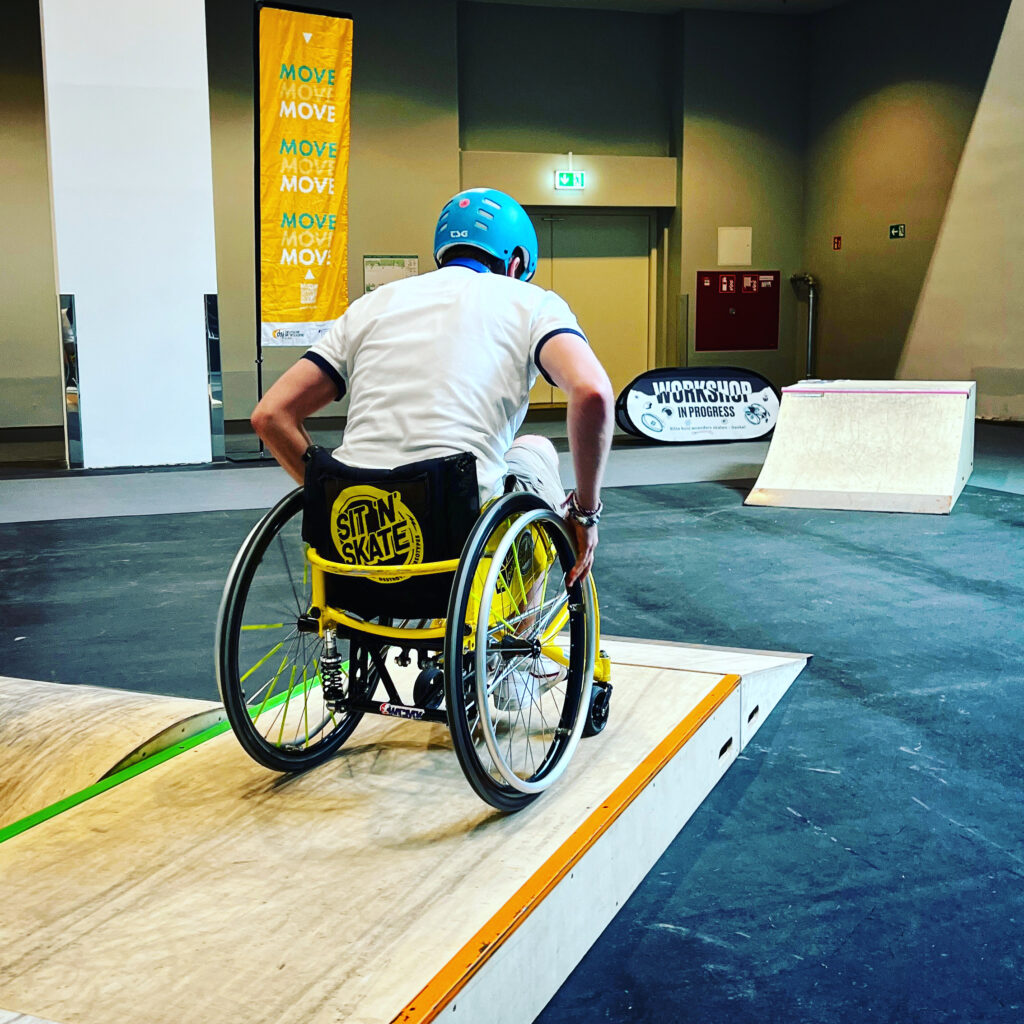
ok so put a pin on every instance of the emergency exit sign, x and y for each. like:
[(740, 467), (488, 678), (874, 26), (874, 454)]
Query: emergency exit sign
[(569, 180), (897, 230)]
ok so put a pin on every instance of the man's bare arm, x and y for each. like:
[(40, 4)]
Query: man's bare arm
[(278, 419), (569, 362)]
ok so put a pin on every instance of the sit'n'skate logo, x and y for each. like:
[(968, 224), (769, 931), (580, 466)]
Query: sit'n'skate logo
[(374, 527)]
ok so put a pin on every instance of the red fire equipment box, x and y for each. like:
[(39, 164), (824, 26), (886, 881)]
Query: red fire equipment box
[(737, 310)]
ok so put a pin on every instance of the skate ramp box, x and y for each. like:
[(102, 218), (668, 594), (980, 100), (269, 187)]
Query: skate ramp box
[(878, 446)]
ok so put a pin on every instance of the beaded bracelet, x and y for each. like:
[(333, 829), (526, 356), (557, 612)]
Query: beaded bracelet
[(583, 516)]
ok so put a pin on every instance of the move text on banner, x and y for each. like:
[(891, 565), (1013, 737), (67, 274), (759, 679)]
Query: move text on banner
[(305, 85)]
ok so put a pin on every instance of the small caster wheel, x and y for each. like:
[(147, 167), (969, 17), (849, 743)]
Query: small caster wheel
[(428, 690), (597, 715)]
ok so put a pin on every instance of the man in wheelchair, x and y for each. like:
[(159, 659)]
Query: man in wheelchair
[(432, 528), (443, 363)]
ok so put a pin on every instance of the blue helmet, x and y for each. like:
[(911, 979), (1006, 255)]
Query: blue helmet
[(489, 220)]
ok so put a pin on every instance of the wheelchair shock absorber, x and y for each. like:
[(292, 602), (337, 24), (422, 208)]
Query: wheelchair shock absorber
[(332, 675)]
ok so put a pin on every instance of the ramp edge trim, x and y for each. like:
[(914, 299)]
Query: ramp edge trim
[(818, 392), (456, 974), (184, 729)]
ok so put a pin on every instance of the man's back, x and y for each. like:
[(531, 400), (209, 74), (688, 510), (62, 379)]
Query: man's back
[(444, 363), (441, 363)]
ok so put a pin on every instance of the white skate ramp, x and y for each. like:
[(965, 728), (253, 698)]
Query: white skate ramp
[(875, 446)]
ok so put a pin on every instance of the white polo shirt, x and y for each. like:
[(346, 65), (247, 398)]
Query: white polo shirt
[(439, 364)]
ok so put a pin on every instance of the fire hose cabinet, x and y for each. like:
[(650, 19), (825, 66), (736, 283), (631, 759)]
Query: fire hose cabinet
[(737, 310)]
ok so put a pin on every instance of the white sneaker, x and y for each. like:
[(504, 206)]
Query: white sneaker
[(519, 688), (516, 689), (548, 673)]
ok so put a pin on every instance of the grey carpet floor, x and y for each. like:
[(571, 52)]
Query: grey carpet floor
[(863, 860)]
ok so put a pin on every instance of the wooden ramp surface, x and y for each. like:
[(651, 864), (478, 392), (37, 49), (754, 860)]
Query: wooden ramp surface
[(209, 889), (875, 446), (56, 739)]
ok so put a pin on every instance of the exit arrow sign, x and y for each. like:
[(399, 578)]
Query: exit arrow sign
[(897, 230), (569, 180)]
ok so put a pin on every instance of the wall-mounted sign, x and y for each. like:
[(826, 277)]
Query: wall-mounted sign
[(378, 270), (697, 405), (897, 230), (302, 124), (837, 242), (573, 180)]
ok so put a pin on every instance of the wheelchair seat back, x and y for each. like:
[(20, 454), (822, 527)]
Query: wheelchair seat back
[(419, 512)]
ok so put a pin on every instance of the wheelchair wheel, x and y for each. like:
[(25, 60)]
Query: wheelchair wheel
[(518, 650), (268, 661)]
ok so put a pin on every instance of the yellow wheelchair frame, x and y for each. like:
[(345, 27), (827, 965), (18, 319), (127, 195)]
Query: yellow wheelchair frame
[(509, 607)]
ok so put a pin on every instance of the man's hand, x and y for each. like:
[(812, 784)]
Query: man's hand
[(586, 542)]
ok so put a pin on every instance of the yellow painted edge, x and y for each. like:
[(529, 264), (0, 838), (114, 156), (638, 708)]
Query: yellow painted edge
[(454, 976)]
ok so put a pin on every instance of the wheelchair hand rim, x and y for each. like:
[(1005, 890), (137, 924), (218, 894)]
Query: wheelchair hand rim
[(480, 663)]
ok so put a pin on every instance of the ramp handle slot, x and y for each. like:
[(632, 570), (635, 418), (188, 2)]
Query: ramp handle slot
[(753, 714), (725, 747)]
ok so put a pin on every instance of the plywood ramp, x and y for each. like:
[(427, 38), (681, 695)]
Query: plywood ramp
[(375, 888), (56, 739), (876, 446)]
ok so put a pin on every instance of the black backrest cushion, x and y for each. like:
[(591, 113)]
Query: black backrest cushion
[(419, 512)]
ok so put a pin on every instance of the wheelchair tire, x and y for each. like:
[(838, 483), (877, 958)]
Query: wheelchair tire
[(515, 717), (280, 717)]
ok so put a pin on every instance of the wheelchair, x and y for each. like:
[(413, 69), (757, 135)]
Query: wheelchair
[(359, 572)]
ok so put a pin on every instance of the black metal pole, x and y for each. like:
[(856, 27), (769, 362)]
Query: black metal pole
[(808, 280)]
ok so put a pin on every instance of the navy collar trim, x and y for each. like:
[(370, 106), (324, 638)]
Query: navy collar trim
[(468, 261)]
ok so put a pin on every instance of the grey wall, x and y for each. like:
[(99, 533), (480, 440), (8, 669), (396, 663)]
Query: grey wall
[(550, 80), (893, 91), (30, 360), (801, 127), (744, 93)]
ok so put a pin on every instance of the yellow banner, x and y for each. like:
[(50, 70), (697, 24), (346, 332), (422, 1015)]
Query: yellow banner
[(305, 89)]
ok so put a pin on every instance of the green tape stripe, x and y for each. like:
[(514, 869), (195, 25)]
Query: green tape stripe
[(66, 803), (38, 817)]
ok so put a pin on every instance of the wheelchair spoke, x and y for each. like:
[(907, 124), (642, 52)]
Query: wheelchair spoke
[(269, 687), (283, 720), (284, 704), (288, 571), (266, 657), (529, 703), (509, 626)]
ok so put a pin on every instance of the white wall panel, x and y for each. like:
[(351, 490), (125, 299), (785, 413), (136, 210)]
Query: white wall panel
[(967, 325), (129, 136)]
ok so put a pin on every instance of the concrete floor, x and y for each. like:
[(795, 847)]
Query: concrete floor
[(865, 858)]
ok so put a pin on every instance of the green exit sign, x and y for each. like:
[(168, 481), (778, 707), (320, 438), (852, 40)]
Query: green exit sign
[(569, 180)]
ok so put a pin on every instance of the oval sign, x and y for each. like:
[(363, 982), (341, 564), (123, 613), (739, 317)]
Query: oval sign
[(698, 404)]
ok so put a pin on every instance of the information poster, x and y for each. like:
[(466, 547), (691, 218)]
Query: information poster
[(303, 126), (380, 270)]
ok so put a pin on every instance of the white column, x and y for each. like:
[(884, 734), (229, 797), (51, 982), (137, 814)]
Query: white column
[(129, 136)]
